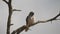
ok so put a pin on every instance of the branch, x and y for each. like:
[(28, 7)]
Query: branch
[(10, 1), (54, 18), (57, 19), (11, 24), (16, 10), (9, 16), (5, 1), (20, 29)]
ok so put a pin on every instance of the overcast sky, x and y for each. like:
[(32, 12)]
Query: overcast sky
[(43, 9)]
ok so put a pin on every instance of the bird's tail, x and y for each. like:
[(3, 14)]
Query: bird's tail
[(27, 28)]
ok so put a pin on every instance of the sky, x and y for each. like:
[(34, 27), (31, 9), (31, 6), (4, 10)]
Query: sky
[(43, 10)]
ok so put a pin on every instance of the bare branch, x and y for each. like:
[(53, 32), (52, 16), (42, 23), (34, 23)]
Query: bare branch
[(9, 16), (5, 1), (20, 29), (54, 18), (11, 24), (16, 10), (10, 1), (57, 19)]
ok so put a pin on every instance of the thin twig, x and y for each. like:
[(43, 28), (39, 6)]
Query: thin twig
[(16, 10), (5, 1)]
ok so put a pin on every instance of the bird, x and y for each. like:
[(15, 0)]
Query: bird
[(29, 20)]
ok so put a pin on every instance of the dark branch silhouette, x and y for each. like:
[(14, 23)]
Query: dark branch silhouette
[(5, 1), (10, 14), (20, 29), (11, 24), (16, 10), (54, 17)]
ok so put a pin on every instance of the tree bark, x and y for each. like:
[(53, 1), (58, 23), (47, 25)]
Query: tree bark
[(9, 18)]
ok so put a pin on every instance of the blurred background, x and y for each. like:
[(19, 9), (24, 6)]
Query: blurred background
[(43, 9)]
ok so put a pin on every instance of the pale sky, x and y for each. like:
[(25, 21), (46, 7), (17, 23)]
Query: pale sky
[(43, 9)]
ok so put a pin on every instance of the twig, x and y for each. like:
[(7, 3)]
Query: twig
[(5, 1), (16, 10)]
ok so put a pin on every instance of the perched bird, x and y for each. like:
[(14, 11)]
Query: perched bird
[(29, 20)]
